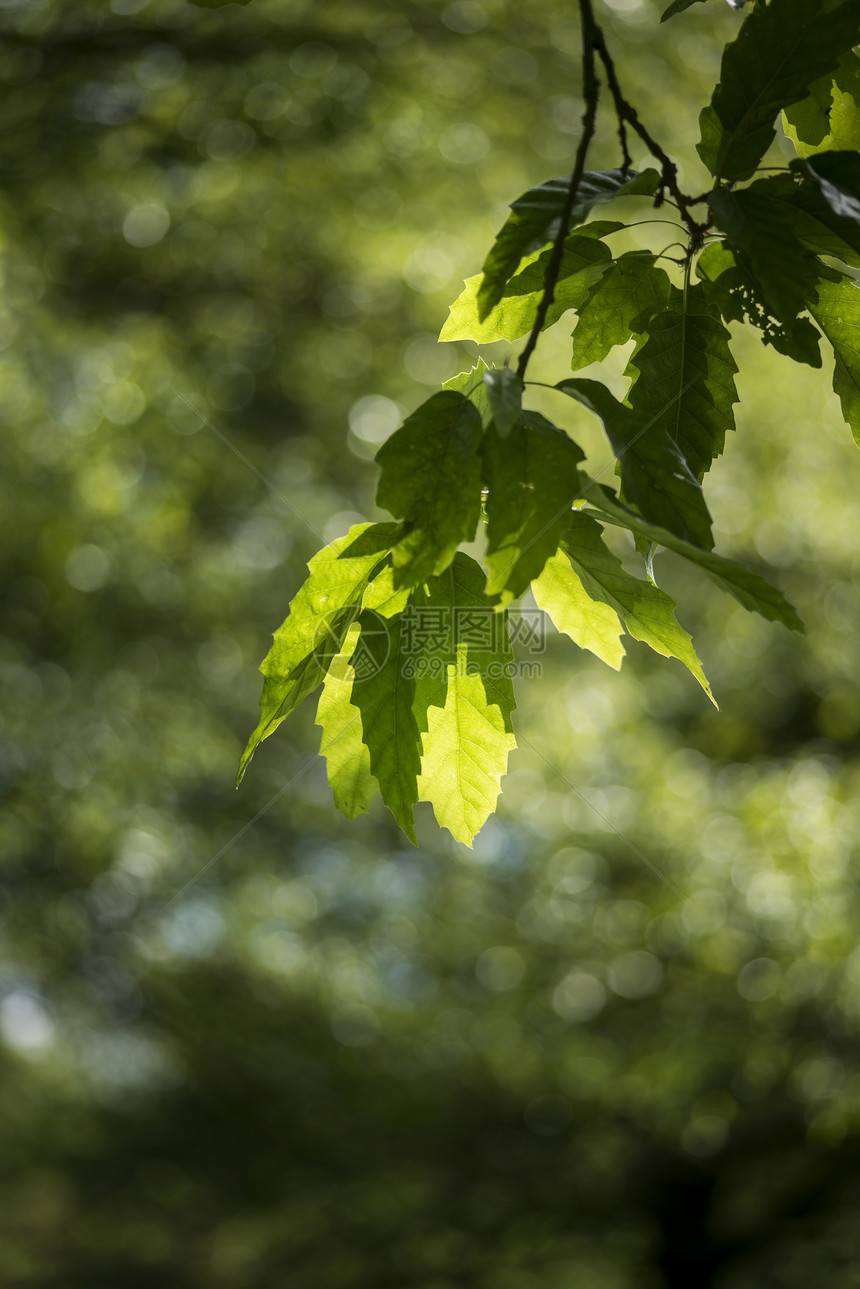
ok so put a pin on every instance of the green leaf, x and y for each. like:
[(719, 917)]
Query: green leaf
[(465, 697), (591, 624), (319, 617), (585, 259), (780, 50), (471, 385), (654, 473), (646, 612), (838, 176), (431, 477), (815, 223), (384, 693), (342, 743), (762, 234), (683, 383), (736, 295), (533, 480), (835, 306), (750, 590), (535, 220), (505, 394), (678, 6), (620, 302), (829, 118)]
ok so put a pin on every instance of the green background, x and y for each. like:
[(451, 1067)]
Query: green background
[(334, 1061)]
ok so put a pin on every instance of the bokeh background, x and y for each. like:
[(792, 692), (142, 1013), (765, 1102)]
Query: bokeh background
[(333, 1061)]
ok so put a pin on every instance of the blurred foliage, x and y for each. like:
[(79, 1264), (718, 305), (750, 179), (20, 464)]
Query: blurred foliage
[(249, 1043)]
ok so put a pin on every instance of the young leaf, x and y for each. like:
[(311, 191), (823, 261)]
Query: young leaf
[(835, 306), (781, 48), (829, 118), (464, 698), (431, 477), (762, 234), (535, 220), (750, 590), (342, 743), (384, 693), (619, 303), (533, 481), (471, 385), (505, 395), (647, 613), (319, 617), (591, 624), (654, 473), (585, 259)]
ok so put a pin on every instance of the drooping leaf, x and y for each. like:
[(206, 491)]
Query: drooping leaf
[(762, 235), (750, 590), (431, 477), (646, 612), (319, 617), (835, 306), (471, 385), (533, 480), (585, 259), (619, 303), (464, 700), (838, 176), (591, 624), (535, 220), (654, 473), (817, 225), (342, 742), (384, 693), (780, 50), (736, 295), (829, 117), (505, 395)]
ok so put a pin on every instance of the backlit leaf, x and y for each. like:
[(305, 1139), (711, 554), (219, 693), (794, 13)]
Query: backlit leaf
[(591, 624), (835, 306), (830, 116), (342, 742), (619, 303), (505, 394)]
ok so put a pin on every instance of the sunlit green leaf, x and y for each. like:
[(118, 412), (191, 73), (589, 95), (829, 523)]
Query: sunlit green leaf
[(533, 480), (591, 624), (830, 115), (431, 478), (619, 303), (342, 742), (835, 306), (319, 617), (535, 220), (780, 50), (464, 700), (471, 385)]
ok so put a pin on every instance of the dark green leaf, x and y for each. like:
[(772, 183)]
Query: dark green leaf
[(471, 385), (535, 220), (835, 306), (678, 6), (737, 296), (585, 259), (431, 477), (464, 699), (505, 395), (838, 176), (750, 590), (533, 481), (762, 234), (619, 303), (319, 617), (780, 50), (654, 473), (830, 116), (819, 228), (384, 693)]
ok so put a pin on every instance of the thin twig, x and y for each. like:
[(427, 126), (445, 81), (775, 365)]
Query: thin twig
[(591, 91)]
